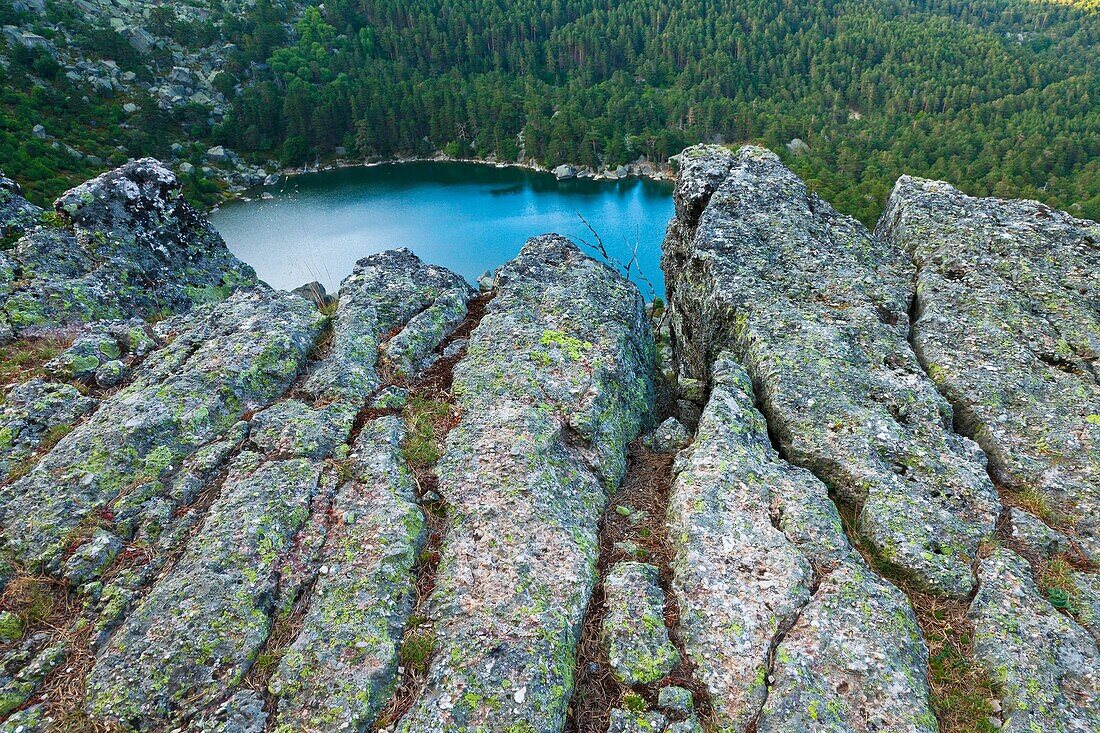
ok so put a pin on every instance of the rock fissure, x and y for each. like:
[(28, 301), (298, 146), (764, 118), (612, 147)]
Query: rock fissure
[(633, 532), (429, 426)]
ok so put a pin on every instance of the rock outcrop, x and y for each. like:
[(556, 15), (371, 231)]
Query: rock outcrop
[(817, 312), (778, 611), (229, 509), (556, 381), (123, 244), (1007, 323), (844, 341)]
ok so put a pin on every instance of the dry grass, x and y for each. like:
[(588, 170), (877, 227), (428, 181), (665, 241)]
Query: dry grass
[(645, 489), (961, 691), (48, 605), (24, 358)]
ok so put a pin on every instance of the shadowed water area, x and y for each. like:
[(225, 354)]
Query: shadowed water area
[(464, 216)]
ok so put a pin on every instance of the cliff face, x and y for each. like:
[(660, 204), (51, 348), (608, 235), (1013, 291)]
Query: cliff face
[(424, 508)]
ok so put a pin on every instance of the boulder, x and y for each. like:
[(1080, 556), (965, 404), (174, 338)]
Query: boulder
[(564, 172), (133, 246), (816, 311), (1007, 325)]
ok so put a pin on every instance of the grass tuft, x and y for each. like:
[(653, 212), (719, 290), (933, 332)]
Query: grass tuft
[(428, 421), (417, 649)]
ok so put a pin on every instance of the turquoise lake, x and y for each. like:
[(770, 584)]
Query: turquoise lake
[(465, 216)]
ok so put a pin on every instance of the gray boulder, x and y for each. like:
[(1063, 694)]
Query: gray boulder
[(133, 247), (1007, 324), (817, 313)]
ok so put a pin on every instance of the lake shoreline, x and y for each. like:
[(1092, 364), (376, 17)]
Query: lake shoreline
[(469, 216), (645, 171)]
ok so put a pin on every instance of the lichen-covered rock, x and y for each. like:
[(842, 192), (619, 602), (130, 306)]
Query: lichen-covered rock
[(33, 410), (388, 291), (89, 560), (340, 670), (817, 313), (1035, 536), (1008, 326), (668, 437), (634, 636), (242, 713), (750, 533), (408, 350), (676, 700), (23, 668), (199, 629), (32, 719), (555, 382), (1045, 667), (226, 359), (293, 428), (133, 246), (854, 660), (629, 721), (16, 213), (102, 344)]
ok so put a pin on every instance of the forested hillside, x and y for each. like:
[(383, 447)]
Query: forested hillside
[(86, 87), (998, 96)]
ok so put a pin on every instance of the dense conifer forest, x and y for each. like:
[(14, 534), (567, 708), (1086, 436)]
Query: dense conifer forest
[(997, 96)]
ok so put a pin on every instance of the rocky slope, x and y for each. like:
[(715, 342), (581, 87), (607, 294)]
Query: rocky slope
[(881, 366), (417, 507)]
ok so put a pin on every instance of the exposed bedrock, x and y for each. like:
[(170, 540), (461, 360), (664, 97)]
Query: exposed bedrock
[(1008, 326), (817, 312), (303, 520), (555, 383), (788, 627), (224, 360), (125, 243), (1046, 667)]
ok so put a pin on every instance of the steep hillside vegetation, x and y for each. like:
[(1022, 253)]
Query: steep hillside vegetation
[(998, 96)]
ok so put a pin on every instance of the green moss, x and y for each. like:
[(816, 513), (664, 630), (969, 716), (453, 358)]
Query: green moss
[(417, 649), (426, 420)]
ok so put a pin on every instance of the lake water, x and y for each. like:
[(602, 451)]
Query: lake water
[(464, 216)]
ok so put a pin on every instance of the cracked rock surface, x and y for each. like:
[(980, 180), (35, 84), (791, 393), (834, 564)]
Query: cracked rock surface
[(1046, 666), (1008, 326), (634, 633), (228, 509), (781, 615), (816, 311), (556, 381)]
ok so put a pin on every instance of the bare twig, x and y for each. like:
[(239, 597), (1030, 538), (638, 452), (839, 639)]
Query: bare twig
[(615, 263)]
